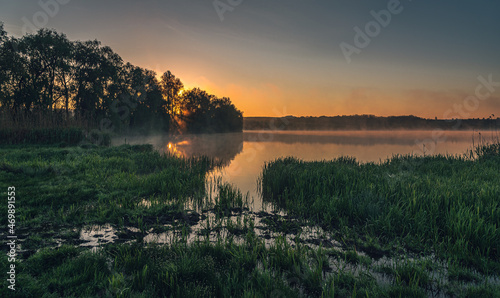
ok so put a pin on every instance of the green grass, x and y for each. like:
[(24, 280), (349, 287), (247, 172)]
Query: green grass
[(228, 198), (201, 269), (448, 205), (75, 186), (443, 206)]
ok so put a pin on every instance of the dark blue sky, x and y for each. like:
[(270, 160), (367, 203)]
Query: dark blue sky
[(285, 56)]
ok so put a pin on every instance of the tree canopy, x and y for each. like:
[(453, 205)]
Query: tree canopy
[(45, 73)]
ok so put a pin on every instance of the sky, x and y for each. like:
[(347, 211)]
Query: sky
[(299, 57)]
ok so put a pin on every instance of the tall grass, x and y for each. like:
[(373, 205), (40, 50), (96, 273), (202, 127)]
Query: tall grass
[(48, 127), (44, 119), (75, 186), (45, 136), (447, 204), (485, 148)]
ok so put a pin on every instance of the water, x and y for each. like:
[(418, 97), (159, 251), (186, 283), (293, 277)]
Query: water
[(244, 154)]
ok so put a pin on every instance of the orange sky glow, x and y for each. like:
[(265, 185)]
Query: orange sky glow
[(273, 60)]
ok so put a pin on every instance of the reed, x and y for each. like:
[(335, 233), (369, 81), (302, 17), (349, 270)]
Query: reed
[(443, 204), (45, 136), (49, 128)]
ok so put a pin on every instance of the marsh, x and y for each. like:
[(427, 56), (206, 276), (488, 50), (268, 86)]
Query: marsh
[(243, 155)]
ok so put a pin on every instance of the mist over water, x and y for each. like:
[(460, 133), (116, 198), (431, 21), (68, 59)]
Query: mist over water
[(244, 154)]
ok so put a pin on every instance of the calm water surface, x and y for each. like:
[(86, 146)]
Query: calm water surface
[(244, 154)]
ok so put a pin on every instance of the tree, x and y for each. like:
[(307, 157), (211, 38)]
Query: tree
[(52, 51), (151, 110), (195, 106), (45, 74), (224, 116), (206, 113), (96, 77), (5, 54), (3, 34), (170, 87), (32, 70)]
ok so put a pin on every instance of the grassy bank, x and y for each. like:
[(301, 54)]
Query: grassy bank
[(59, 191), (389, 245), (442, 205), (85, 185)]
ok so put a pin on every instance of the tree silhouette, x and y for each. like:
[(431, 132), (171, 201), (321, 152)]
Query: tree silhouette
[(207, 113), (45, 72), (151, 110), (3, 33), (170, 88)]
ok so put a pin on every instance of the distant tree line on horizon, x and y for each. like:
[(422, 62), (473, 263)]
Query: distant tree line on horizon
[(366, 122), (44, 75)]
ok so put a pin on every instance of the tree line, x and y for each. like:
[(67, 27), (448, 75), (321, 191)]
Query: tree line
[(46, 73), (368, 122)]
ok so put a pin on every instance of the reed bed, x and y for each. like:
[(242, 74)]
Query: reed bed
[(49, 128), (10, 120), (44, 136), (447, 205)]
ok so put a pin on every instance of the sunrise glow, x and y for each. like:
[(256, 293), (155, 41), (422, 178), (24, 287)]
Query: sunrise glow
[(275, 64)]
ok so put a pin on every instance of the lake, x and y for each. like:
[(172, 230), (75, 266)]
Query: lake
[(244, 154)]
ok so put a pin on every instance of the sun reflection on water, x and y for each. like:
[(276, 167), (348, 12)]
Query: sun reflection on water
[(178, 149)]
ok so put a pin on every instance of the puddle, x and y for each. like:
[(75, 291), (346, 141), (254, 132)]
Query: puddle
[(236, 225), (95, 235), (145, 203)]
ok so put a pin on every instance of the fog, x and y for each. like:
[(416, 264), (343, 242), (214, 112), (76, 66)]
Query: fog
[(243, 155), (221, 147)]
